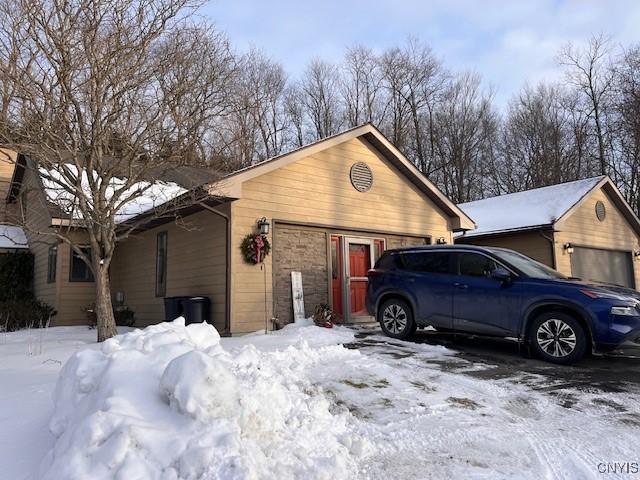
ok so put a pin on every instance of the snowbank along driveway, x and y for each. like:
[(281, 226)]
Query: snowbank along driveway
[(176, 402)]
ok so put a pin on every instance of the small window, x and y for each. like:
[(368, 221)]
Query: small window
[(428, 262), (161, 264), (476, 265), (52, 261), (80, 271)]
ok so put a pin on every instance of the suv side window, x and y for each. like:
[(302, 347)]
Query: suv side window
[(427, 262), (476, 265), (387, 261)]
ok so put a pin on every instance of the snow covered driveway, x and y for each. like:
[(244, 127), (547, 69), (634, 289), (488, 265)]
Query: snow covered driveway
[(483, 411), (159, 405)]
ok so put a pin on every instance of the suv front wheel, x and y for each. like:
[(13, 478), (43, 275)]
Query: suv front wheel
[(558, 338), (396, 319)]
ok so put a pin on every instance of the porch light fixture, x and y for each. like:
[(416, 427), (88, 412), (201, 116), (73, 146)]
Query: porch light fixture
[(263, 226), (441, 241), (636, 254), (568, 247)]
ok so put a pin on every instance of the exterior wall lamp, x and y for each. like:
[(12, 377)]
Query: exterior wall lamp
[(568, 247), (636, 254), (441, 241), (263, 226)]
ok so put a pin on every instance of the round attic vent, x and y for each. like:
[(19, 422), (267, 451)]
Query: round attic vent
[(601, 211), (361, 176)]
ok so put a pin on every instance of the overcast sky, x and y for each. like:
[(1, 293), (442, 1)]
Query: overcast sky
[(507, 42)]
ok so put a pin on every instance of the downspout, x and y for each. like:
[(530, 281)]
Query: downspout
[(552, 242), (227, 308)]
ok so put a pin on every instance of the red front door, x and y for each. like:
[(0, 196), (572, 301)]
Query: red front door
[(359, 265)]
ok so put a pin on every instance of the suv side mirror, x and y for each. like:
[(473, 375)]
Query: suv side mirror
[(501, 274)]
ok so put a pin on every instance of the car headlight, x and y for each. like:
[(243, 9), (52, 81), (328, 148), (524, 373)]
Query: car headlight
[(628, 310)]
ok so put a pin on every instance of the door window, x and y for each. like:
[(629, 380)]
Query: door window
[(476, 265), (428, 262)]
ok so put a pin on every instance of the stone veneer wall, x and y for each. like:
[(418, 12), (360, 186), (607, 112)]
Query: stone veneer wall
[(300, 250), (304, 249)]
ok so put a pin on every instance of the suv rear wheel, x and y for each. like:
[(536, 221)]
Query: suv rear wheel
[(396, 319), (558, 338)]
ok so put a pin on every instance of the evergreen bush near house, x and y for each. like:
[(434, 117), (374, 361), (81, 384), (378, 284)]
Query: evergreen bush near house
[(24, 313), (16, 276), (125, 317), (18, 306)]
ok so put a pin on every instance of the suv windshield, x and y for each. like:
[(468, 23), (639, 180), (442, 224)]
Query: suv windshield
[(526, 265)]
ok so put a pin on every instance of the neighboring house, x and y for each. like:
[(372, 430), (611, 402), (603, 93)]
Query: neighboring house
[(583, 229), (333, 207)]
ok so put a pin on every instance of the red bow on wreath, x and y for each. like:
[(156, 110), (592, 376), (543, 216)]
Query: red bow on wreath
[(259, 245)]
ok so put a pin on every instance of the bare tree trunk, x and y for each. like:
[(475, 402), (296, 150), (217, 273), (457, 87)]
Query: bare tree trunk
[(104, 308)]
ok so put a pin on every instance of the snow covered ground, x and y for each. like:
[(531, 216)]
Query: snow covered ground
[(177, 402)]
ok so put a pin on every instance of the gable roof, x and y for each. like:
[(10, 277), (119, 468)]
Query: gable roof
[(526, 210), (231, 185), (540, 207)]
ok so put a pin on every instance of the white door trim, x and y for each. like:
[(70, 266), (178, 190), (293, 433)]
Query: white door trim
[(347, 240)]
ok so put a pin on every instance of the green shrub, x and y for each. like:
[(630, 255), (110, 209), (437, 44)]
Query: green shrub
[(125, 317), (24, 313), (16, 276)]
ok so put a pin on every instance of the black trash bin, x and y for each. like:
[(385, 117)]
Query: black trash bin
[(174, 307), (197, 310)]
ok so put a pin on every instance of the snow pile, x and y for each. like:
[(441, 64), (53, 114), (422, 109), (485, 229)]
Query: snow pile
[(168, 402)]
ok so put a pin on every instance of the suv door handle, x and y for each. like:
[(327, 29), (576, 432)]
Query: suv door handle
[(462, 286)]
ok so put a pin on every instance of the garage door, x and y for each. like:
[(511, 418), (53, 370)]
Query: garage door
[(609, 266)]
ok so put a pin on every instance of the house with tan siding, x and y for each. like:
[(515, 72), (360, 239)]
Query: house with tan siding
[(583, 229), (332, 207)]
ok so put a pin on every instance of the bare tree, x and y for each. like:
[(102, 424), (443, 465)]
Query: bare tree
[(320, 86), (259, 123), (537, 142), (106, 97), (627, 125), (465, 128), (588, 72), (415, 80), (362, 87)]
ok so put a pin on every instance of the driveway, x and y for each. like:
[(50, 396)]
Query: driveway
[(617, 372), (481, 409)]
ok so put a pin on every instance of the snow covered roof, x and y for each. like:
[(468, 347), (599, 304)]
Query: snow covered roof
[(528, 209), (12, 237), (143, 196)]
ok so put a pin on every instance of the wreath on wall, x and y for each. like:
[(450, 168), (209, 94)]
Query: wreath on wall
[(255, 247)]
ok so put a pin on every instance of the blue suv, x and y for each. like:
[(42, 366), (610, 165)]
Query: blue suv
[(499, 292)]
